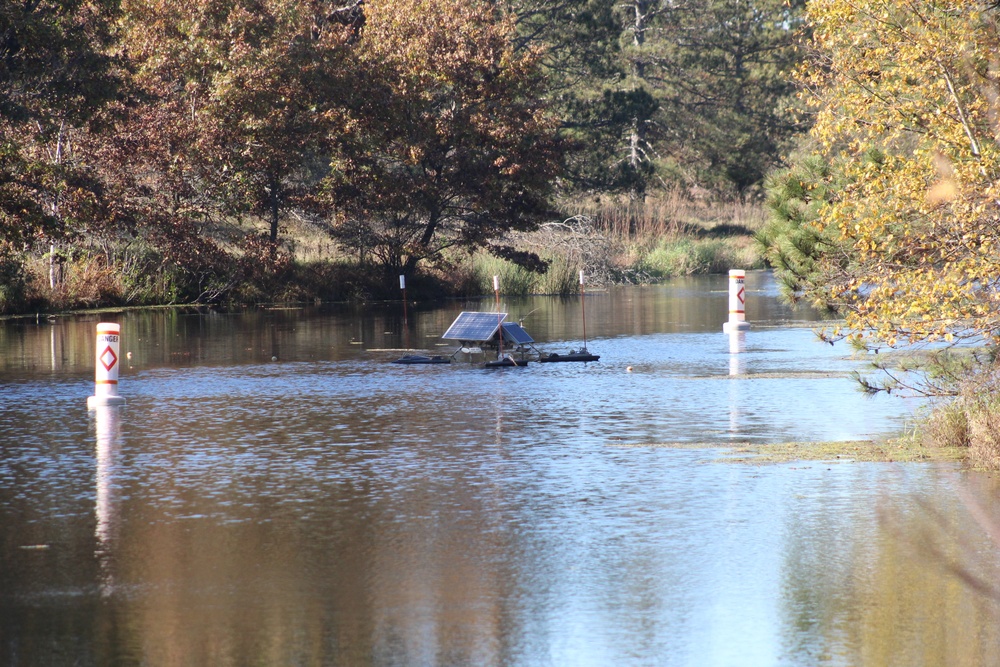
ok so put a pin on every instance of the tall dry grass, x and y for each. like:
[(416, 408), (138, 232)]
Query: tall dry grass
[(671, 215), (972, 420), (673, 234)]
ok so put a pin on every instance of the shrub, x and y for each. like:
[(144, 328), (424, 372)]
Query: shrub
[(561, 277), (13, 285), (947, 425), (972, 419), (670, 258), (984, 433), (514, 280)]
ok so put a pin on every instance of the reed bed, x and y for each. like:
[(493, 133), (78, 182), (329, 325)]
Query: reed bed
[(560, 278), (627, 241), (671, 215)]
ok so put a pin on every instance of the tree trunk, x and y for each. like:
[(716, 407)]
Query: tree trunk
[(425, 241), (274, 206), (644, 10)]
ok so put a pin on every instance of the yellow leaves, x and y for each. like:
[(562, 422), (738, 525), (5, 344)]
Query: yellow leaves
[(945, 189), (882, 79)]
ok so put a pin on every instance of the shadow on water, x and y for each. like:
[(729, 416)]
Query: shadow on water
[(330, 507)]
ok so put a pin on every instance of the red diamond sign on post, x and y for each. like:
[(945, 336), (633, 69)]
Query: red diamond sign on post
[(108, 358), (106, 367), (737, 302)]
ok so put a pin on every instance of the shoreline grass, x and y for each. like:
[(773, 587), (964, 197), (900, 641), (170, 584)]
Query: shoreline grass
[(613, 240), (895, 450), (618, 241)]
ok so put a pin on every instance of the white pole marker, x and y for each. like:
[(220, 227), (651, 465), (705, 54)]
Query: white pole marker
[(737, 302), (106, 367)]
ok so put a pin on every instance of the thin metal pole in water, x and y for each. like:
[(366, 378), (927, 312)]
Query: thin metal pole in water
[(496, 290), (583, 308), (406, 327)]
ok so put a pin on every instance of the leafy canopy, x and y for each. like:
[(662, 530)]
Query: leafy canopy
[(452, 144), (57, 70), (906, 99)]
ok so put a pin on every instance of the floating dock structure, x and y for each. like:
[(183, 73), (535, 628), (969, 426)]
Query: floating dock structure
[(422, 359), (573, 355), (479, 331)]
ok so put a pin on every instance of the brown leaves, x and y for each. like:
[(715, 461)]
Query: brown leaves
[(453, 145)]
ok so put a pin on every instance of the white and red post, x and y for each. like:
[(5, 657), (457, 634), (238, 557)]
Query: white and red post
[(106, 367), (737, 302), (406, 324)]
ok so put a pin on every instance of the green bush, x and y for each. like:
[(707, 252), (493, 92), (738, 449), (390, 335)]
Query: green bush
[(688, 256), (562, 277), (515, 280), (13, 285), (670, 258)]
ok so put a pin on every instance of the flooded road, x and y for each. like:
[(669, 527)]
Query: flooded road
[(332, 508)]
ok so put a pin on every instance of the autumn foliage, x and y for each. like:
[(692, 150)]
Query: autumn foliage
[(164, 128), (167, 143), (903, 224), (455, 144)]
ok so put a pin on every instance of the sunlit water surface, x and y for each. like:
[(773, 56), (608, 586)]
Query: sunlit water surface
[(331, 508)]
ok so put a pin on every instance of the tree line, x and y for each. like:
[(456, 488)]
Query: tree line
[(140, 135)]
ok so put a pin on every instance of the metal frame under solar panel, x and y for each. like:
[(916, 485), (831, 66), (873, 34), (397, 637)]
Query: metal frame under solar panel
[(474, 326), (513, 332)]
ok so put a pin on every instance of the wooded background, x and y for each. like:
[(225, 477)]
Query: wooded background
[(176, 142)]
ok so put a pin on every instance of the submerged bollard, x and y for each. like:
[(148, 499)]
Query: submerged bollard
[(737, 302), (106, 367)]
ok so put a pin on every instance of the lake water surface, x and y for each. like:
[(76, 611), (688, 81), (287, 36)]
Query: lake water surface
[(332, 508)]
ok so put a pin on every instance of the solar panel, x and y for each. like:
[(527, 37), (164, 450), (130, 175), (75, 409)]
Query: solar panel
[(513, 332), (477, 326)]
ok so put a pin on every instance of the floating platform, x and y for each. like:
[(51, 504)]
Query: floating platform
[(572, 356), (422, 359), (505, 362)]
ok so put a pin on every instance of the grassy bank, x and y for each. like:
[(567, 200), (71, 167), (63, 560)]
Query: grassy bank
[(616, 241), (674, 235)]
